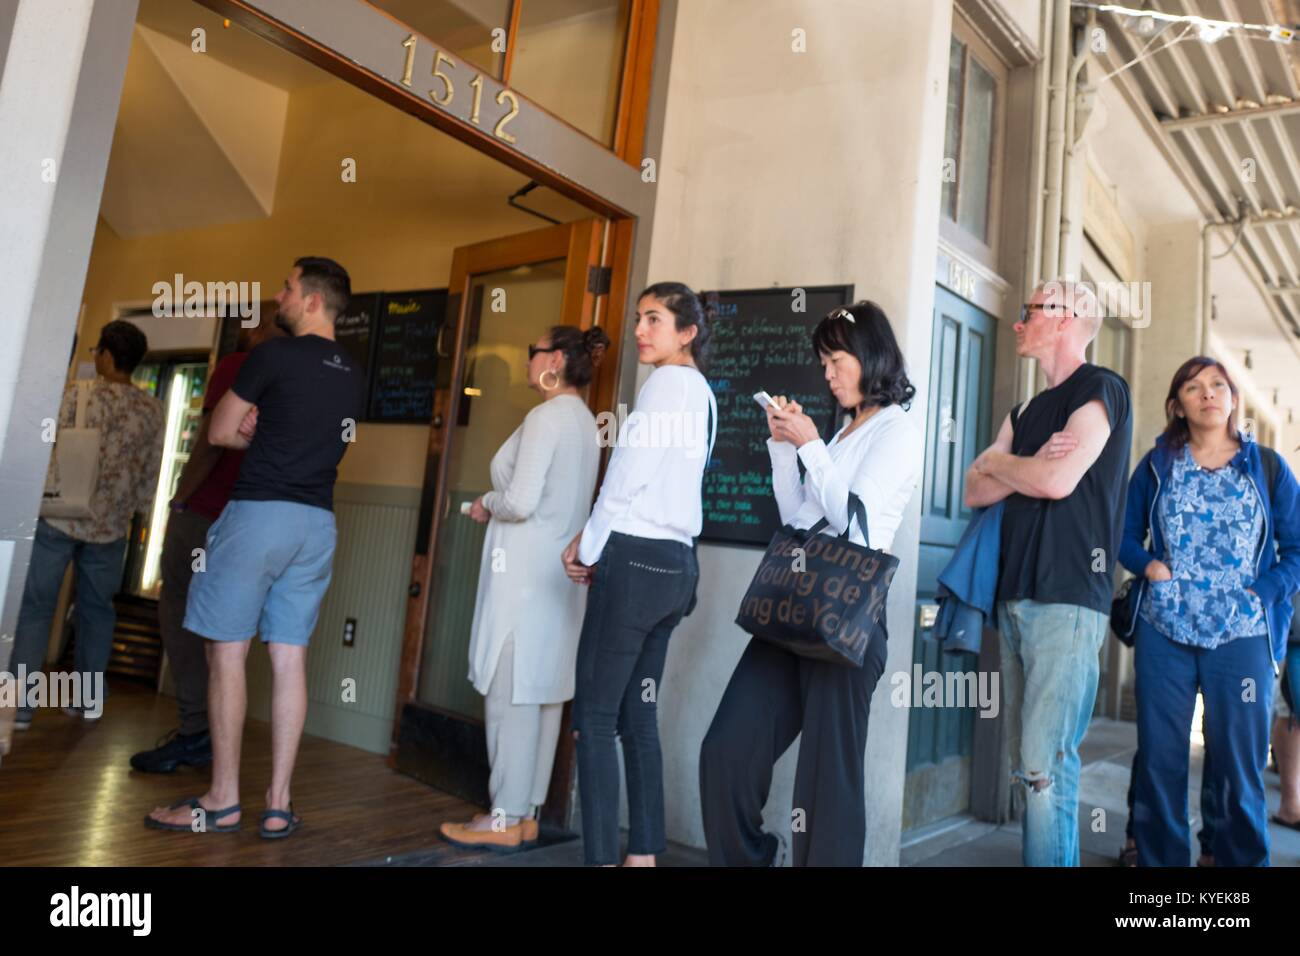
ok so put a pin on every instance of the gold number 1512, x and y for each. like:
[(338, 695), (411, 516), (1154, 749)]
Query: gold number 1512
[(441, 59)]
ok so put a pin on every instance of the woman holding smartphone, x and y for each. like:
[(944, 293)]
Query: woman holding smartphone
[(636, 553), (775, 695)]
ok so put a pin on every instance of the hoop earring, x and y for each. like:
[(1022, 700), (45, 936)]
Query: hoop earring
[(541, 380)]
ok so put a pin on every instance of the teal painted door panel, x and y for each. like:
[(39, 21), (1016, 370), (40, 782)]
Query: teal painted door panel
[(958, 427)]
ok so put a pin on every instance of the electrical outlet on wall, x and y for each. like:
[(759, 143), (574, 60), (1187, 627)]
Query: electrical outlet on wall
[(349, 632)]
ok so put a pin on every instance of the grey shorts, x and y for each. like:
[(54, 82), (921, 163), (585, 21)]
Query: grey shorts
[(267, 565)]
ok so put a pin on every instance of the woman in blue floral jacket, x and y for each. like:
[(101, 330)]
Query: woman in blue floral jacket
[(1212, 526)]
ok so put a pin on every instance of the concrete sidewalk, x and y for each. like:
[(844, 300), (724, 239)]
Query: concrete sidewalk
[(1107, 755)]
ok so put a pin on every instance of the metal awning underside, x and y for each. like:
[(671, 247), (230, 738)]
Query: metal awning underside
[(1231, 111)]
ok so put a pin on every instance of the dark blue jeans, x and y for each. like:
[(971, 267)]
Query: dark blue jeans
[(1236, 731), (98, 575), (641, 590), (1209, 800)]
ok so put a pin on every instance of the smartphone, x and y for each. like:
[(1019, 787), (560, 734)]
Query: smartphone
[(766, 401)]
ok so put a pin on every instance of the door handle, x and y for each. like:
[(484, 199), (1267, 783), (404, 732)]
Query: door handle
[(414, 589), (929, 614)]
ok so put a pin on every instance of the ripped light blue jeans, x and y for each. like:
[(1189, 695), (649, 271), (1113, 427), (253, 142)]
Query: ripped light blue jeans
[(1049, 684)]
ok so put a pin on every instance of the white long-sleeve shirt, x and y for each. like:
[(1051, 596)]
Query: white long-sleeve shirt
[(652, 486), (881, 462)]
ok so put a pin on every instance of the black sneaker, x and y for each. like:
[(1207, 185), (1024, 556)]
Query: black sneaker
[(173, 750)]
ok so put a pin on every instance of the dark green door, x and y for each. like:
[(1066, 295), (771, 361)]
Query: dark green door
[(957, 429)]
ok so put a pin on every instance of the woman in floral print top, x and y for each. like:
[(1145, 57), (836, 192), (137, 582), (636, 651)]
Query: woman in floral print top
[(130, 425), (1213, 530)]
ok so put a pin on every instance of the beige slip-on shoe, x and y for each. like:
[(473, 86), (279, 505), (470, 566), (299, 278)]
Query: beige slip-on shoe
[(507, 840)]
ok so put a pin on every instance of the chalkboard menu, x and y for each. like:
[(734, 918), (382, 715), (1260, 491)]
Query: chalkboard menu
[(352, 330), (760, 343), (405, 355)]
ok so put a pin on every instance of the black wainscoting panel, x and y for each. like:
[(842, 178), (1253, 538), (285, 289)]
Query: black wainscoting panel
[(444, 751)]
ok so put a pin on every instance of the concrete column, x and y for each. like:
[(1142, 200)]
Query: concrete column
[(803, 145), (1173, 266), (63, 67)]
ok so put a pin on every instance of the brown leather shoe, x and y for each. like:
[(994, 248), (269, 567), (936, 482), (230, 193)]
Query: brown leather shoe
[(529, 828), (501, 841)]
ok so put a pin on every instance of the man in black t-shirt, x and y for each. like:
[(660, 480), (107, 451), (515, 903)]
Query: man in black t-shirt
[(294, 406), (1060, 461)]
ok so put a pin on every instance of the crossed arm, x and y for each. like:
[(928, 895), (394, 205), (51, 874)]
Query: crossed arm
[(203, 458), (1053, 472), (233, 422)]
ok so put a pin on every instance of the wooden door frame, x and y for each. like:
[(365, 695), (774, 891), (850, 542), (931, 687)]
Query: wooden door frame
[(573, 242), (582, 246), (607, 180)]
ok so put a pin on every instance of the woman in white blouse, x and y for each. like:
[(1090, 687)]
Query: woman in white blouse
[(636, 552), (774, 695), (527, 614)]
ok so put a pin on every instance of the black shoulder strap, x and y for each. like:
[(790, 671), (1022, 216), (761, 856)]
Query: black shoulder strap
[(1015, 415), (695, 542), (709, 448), (1272, 465), (856, 510)]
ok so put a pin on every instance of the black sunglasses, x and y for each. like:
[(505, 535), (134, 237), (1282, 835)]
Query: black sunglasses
[(534, 351)]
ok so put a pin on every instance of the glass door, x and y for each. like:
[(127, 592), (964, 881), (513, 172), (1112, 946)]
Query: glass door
[(502, 295), (494, 399), (179, 384)]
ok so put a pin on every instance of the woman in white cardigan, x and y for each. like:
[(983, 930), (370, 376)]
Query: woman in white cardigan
[(528, 614)]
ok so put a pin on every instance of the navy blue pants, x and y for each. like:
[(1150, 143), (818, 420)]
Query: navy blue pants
[(1209, 803), (642, 589), (1236, 680)]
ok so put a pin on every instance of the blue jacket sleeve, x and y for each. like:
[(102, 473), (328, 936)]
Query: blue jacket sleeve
[(1132, 550), (1282, 580)]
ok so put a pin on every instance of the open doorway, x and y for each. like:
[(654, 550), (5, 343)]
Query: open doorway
[(232, 157)]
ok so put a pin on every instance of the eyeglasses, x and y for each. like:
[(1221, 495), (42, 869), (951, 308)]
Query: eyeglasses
[(1028, 308), (1026, 311), (534, 351)]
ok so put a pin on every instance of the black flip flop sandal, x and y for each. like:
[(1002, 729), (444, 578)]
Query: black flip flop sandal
[(1292, 825), (287, 816), (193, 804)]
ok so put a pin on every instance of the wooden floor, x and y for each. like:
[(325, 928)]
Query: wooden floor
[(68, 797)]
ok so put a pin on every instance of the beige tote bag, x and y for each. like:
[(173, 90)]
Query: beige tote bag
[(74, 466)]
